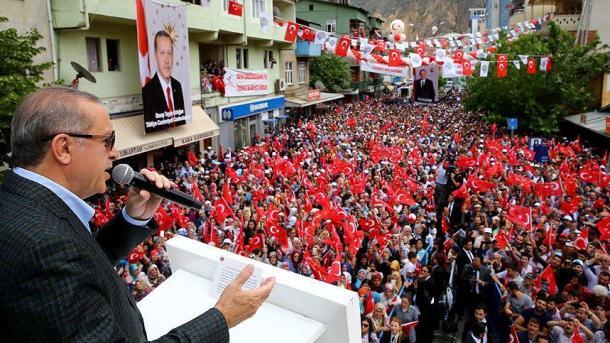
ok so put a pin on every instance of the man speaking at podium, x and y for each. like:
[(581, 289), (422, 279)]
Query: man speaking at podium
[(58, 280)]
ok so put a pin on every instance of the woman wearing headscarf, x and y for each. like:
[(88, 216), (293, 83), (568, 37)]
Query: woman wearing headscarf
[(359, 278), (154, 277), (381, 322)]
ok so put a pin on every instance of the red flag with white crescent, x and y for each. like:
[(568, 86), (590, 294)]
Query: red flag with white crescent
[(342, 46), (531, 66), (142, 43), (235, 8), (394, 59), (292, 29)]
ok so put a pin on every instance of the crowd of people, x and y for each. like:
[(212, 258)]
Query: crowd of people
[(430, 214)]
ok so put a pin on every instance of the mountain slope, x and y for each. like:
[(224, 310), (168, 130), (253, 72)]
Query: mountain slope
[(423, 14)]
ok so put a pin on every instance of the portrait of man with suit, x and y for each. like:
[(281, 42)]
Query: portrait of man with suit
[(162, 95), (424, 87), (58, 280)]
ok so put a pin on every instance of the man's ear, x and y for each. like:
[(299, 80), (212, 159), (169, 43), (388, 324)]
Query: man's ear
[(61, 149)]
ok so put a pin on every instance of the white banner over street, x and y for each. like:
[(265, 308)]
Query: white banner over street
[(385, 69), (246, 82)]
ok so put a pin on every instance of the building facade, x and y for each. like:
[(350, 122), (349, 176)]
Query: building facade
[(101, 36), (342, 18)]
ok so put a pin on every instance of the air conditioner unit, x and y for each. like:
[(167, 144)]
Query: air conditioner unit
[(280, 85)]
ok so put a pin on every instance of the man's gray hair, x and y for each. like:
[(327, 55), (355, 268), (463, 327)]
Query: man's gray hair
[(41, 115)]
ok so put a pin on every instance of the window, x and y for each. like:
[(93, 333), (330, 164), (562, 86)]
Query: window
[(258, 8), (268, 59), (195, 2), (112, 54), (330, 25), (301, 72), (241, 58), (225, 5), (311, 7), (93, 54), (288, 73)]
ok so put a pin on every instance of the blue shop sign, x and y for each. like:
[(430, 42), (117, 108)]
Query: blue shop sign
[(230, 113)]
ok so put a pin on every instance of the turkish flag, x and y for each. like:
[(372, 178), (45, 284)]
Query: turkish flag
[(458, 55), (420, 50), (226, 194), (407, 327), (307, 34), (403, 197), (367, 224), (502, 239), (576, 337), (221, 210), (461, 193), (235, 8), (479, 186), (582, 241), (334, 271), (256, 242), (549, 238), (292, 29), (502, 58), (548, 189), (548, 276), (142, 36), (279, 234), (465, 162), (502, 69), (520, 215), (342, 46), (512, 337), (515, 179), (604, 228), (380, 45), (394, 59), (467, 68), (589, 175), (531, 66)]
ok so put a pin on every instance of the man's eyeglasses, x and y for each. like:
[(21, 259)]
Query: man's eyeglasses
[(107, 140)]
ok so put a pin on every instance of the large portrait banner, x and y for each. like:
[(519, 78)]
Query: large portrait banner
[(163, 49)]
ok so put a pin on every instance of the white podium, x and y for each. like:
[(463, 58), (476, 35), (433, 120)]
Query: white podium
[(299, 309)]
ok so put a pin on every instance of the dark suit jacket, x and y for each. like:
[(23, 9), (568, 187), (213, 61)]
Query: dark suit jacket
[(426, 92), (153, 97), (387, 336), (58, 282)]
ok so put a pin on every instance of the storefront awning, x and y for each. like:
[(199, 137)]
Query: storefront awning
[(131, 139), (595, 121), (201, 128), (324, 97)]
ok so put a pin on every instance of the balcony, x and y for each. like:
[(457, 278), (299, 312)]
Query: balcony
[(567, 22), (308, 49)]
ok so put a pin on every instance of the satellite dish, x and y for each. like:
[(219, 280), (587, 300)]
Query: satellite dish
[(81, 72)]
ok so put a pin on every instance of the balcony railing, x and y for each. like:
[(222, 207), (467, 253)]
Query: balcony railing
[(567, 21)]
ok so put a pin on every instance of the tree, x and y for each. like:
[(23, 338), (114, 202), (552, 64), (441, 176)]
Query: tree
[(539, 101), (18, 77), (333, 71)]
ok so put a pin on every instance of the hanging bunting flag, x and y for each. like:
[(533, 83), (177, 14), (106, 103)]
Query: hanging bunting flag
[(437, 43), (320, 37), (401, 46), (354, 43), (367, 49), (343, 46), (264, 21), (440, 54), (291, 32), (331, 43), (394, 58), (380, 45), (501, 69), (517, 64), (531, 66), (549, 64), (543, 63), (466, 68), (307, 34), (235, 8), (484, 68), (523, 58), (459, 43), (420, 50), (429, 44), (416, 60), (501, 58)]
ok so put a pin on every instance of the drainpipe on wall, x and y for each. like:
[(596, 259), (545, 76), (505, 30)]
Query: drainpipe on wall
[(53, 47)]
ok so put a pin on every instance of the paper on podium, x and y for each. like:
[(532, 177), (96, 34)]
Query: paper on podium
[(299, 309)]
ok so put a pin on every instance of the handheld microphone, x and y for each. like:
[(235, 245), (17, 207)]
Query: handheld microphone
[(123, 174)]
